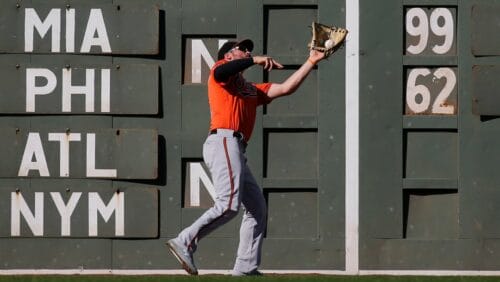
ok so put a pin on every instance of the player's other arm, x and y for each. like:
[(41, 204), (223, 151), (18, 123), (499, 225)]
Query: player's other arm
[(223, 72), (293, 82)]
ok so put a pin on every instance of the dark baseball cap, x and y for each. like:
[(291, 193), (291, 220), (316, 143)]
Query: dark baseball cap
[(245, 43)]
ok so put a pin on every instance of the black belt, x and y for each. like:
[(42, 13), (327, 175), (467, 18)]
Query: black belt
[(236, 134)]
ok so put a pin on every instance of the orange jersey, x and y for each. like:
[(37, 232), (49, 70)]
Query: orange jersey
[(233, 104)]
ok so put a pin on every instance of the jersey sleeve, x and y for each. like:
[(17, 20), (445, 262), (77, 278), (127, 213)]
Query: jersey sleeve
[(223, 72), (263, 88), (212, 75)]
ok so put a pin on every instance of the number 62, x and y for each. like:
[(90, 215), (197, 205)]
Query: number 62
[(418, 96)]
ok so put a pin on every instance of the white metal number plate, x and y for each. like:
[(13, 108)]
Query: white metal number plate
[(431, 91), (430, 31)]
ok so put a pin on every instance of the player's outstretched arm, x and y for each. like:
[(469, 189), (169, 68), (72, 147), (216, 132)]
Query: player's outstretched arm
[(293, 82)]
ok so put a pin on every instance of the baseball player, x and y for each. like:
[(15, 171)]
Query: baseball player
[(233, 103)]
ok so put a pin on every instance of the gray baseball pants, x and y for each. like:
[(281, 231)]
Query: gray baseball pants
[(234, 185)]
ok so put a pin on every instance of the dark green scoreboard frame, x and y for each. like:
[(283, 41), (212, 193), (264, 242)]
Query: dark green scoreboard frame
[(428, 183), (433, 203)]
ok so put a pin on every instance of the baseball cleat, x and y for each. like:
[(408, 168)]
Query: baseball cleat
[(254, 272), (182, 254)]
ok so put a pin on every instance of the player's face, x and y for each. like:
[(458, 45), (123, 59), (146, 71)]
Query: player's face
[(240, 52)]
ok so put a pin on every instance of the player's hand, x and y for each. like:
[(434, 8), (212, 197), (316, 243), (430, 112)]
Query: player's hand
[(267, 62), (316, 56)]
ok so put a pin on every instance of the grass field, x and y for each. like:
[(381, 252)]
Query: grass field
[(224, 278)]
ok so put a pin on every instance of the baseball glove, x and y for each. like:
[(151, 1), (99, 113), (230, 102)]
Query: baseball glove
[(327, 39)]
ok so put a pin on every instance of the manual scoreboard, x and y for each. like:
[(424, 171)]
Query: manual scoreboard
[(429, 108)]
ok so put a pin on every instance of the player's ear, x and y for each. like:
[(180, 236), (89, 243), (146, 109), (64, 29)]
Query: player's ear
[(228, 56)]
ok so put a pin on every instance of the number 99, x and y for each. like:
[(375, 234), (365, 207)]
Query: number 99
[(420, 28)]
